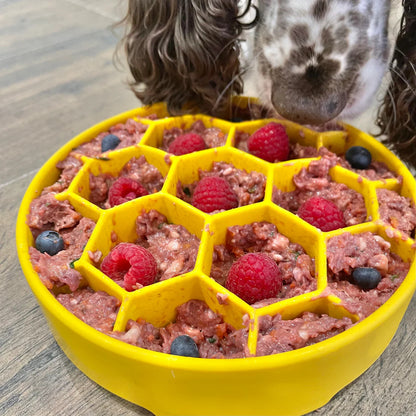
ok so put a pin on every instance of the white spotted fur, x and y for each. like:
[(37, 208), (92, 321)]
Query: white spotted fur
[(369, 76)]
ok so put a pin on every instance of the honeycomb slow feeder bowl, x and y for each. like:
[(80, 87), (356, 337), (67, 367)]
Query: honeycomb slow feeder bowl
[(289, 383)]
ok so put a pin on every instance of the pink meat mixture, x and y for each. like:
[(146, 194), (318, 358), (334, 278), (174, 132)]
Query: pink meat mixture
[(173, 246), (137, 169), (47, 213), (213, 136), (248, 186), (297, 268), (316, 181), (213, 336), (397, 211), (130, 133), (277, 335), (97, 309), (349, 251), (376, 171), (69, 167), (296, 150)]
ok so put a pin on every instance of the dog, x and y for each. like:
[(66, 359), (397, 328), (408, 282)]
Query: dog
[(307, 61)]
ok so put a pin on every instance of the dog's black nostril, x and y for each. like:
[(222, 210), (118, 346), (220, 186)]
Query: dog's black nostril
[(312, 73)]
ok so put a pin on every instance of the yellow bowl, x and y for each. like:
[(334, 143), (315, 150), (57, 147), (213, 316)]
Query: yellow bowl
[(290, 383)]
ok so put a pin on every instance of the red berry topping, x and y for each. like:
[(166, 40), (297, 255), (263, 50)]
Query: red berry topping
[(270, 143), (187, 143), (131, 264), (254, 277), (322, 214), (214, 193), (125, 189)]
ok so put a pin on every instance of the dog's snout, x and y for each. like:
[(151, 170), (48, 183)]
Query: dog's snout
[(308, 109)]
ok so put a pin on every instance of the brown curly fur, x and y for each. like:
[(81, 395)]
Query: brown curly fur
[(184, 52), (397, 114)]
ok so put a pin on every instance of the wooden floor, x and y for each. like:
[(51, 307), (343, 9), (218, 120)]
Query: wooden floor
[(57, 78)]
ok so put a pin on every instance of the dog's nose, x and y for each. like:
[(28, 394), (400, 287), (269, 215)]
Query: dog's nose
[(308, 109)]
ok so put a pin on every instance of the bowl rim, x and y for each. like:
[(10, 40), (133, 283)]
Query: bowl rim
[(160, 359)]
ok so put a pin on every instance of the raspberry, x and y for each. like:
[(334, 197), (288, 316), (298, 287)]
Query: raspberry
[(187, 143), (322, 214), (214, 193), (125, 189), (270, 143), (254, 277), (131, 264)]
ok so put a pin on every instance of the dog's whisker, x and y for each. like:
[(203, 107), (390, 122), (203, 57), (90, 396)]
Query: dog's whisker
[(403, 77), (406, 58), (225, 89), (393, 107)]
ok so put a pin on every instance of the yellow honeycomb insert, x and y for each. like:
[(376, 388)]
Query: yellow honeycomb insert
[(156, 303)]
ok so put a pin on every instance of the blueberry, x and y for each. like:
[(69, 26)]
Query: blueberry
[(366, 277), (358, 157), (109, 142), (49, 242), (184, 345)]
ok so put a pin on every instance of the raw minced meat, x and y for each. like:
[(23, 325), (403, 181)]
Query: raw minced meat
[(57, 270), (137, 169), (214, 337), (49, 213), (172, 245), (316, 181), (212, 136), (397, 211), (277, 335), (296, 267), (348, 251), (248, 186), (130, 133), (97, 309), (296, 150)]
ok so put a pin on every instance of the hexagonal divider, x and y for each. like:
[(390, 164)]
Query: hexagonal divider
[(118, 225), (158, 109), (405, 186), (355, 137), (157, 304), (284, 172), (155, 137), (360, 185), (334, 141), (286, 223), (316, 302), (113, 164), (297, 134), (404, 248), (396, 188), (104, 126), (89, 274), (81, 205), (186, 168)]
